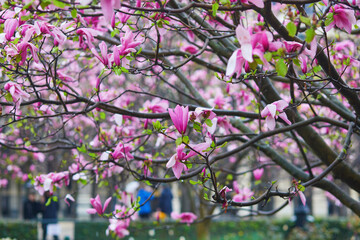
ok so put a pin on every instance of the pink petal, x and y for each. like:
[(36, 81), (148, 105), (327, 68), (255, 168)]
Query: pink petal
[(243, 35), (171, 162), (272, 109), (175, 215), (91, 211), (232, 63), (106, 204), (270, 121), (246, 50), (258, 3), (302, 197), (280, 105), (107, 9), (178, 168), (284, 117), (236, 187)]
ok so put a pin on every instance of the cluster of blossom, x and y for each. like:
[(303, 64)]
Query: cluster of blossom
[(51, 181)]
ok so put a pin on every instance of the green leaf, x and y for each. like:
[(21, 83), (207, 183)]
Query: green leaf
[(138, 52), (223, 145), (60, 4), (55, 198), (93, 155), (281, 67), (291, 27), (28, 5), (178, 141), (273, 182), (305, 20), (26, 17), (102, 115), (45, 3), (113, 33), (197, 126), (268, 56), (186, 139), (215, 7), (8, 97), (82, 148), (329, 19), (157, 125), (317, 69), (27, 143), (309, 35), (301, 187), (206, 196), (148, 131), (193, 182), (124, 70), (347, 61), (74, 13), (208, 122), (48, 202)]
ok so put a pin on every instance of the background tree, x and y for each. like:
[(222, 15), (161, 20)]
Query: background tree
[(163, 91)]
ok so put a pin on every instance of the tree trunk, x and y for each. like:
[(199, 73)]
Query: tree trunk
[(203, 230)]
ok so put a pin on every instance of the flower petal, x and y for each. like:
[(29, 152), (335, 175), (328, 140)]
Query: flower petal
[(171, 162)]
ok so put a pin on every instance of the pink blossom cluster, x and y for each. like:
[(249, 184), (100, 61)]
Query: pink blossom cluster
[(51, 181), (185, 217), (242, 194)]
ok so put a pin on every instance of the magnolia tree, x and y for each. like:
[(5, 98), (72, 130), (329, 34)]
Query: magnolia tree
[(181, 91)]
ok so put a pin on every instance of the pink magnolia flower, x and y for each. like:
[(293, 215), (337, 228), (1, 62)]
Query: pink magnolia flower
[(155, 106), (243, 194), (128, 45), (185, 217), (104, 58), (3, 183), (201, 114), (123, 17), (176, 162), (258, 173), (223, 193), (122, 151), (273, 111), (119, 227), (343, 18), (107, 7), (180, 118), (190, 49), (235, 64), (244, 37), (10, 27), (89, 34), (96, 203), (23, 46), (16, 92), (333, 198), (67, 198), (242, 54)]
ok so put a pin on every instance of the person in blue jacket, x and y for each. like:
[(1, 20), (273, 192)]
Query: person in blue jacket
[(165, 200), (145, 209)]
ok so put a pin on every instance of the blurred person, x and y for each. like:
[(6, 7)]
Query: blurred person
[(50, 220), (31, 207), (165, 200), (145, 210)]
